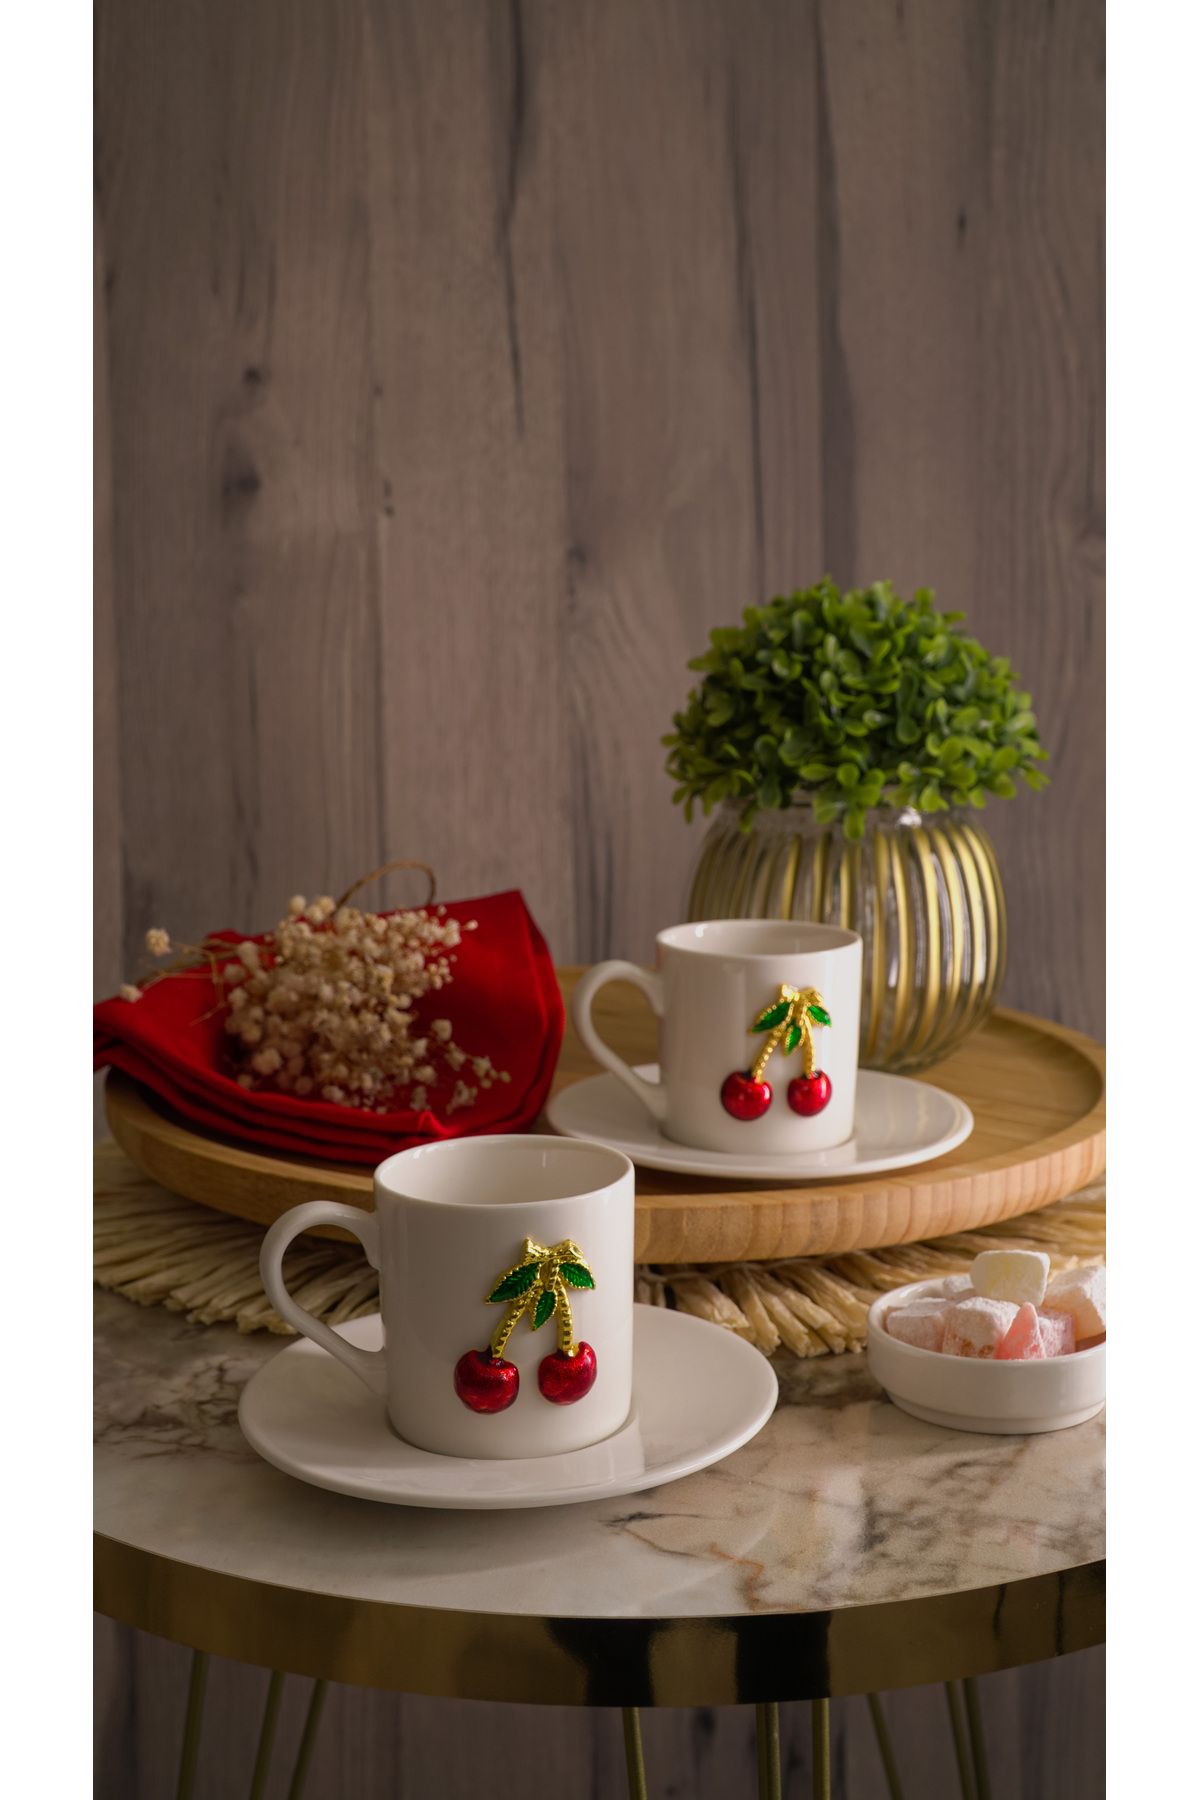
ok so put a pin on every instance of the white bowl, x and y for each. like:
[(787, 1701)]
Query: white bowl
[(977, 1394)]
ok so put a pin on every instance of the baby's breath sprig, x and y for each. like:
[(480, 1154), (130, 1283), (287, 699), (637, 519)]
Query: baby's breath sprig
[(324, 1006)]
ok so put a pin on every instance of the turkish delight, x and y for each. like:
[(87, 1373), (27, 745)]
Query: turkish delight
[(1022, 1342), (1058, 1331), (1016, 1275), (920, 1322), (974, 1327), (955, 1287), (1080, 1292), (958, 1317)]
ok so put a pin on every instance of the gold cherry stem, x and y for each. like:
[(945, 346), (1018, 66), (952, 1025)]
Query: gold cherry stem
[(566, 1321), (770, 1045), (507, 1325)]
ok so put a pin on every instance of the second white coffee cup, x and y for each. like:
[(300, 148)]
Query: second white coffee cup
[(752, 1014)]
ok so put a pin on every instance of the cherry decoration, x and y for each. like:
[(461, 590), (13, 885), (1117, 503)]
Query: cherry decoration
[(743, 1097), (788, 1021), (563, 1378), (539, 1285), (486, 1383), (810, 1094)]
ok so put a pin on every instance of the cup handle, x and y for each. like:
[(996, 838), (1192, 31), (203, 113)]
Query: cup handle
[(368, 1365), (650, 1093)]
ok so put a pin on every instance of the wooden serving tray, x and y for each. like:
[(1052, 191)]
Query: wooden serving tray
[(1036, 1090)]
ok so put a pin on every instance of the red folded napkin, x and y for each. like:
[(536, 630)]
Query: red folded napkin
[(504, 1003)]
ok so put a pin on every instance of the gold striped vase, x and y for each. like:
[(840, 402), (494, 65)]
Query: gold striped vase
[(923, 891)]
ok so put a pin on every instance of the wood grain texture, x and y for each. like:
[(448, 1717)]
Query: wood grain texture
[(962, 247), (108, 950), (466, 420), (1036, 1090), (466, 364), (470, 362), (1041, 529), (689, 442), (231, 179)]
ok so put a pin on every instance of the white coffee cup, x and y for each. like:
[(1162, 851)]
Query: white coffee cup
[(451, 1220), (714, 986)]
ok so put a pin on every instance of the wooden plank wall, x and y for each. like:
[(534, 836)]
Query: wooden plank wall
[(460, 363), (469, 360)]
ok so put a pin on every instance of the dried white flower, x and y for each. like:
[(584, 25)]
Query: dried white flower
[(327, 1006)]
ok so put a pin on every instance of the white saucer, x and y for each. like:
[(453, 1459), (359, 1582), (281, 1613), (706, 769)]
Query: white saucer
[(698, 1394), (897, 1122)]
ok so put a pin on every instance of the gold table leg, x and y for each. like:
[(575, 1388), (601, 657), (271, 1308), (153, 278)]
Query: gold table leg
[(822, 1774), (631, 1724), (958, 1731), (308, 1738), (887, 1756), (766, 1726), (193, 1719), (970, 1747), (983, 1784), (266, 1737)]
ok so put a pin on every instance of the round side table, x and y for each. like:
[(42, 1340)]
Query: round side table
[(846, 1550)]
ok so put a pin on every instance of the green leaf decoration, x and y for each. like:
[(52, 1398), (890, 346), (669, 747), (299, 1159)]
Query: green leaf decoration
[(544, 1308), (516, 1282), (847, 700), (792, 1039), (576, 1275), (820, 1015), (772, 1015)]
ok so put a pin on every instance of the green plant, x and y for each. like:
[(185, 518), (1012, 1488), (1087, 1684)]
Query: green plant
[(853, 701)]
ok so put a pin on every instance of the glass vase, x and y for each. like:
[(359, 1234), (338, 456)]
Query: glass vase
[(922, 890)]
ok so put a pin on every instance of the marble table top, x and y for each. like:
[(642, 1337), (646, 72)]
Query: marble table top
[(841, 1501)]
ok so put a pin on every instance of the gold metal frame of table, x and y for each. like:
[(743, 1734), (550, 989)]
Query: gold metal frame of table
[(603, 1662)]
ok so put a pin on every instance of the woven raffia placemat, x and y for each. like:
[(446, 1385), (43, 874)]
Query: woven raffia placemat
[(160, 1250)]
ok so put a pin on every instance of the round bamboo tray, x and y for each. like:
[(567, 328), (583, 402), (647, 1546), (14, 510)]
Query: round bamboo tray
[(1036, 1090)]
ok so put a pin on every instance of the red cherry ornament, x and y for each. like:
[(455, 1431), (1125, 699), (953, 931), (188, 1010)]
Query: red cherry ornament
[(743, 1097), (486, 1383), (809, 1094), (565, 1379)]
